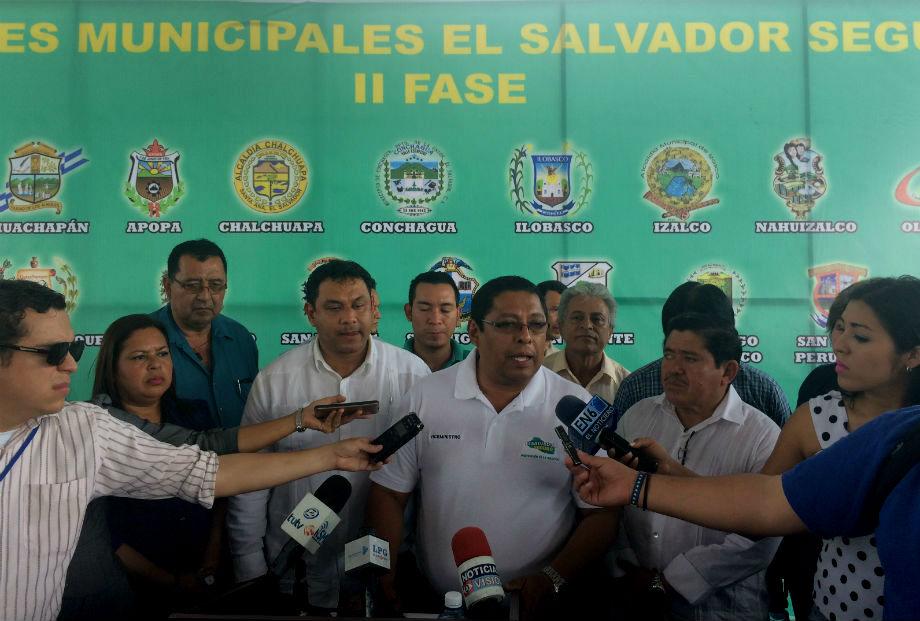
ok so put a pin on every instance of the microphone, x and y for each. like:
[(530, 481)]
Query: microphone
[(311, 522), (368, 555), (479, 581), (587, 425)]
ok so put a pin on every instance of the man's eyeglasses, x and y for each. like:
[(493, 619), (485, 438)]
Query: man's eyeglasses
[(197, 286), (54, 353), (512, 326)]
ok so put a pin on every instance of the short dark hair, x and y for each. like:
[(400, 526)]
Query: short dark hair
[(105, 379), (201, 249), (720, 340), (16, 297), (433, 278), (486, 294), (549, 285), (695, 297), (337, 270)]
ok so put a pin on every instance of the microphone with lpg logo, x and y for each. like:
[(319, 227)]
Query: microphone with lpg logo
[(367, 557), (588, 425), (311, 521), (480, 583)]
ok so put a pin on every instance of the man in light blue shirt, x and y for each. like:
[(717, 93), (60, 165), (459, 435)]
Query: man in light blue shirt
[(214, 357)]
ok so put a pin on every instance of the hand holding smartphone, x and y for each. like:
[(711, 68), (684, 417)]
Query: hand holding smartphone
[(350, 407)]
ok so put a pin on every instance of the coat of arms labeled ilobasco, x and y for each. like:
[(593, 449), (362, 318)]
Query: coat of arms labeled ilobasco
[(35, 178), (679, 176), (552, 193), (61, 279), (153, 183)]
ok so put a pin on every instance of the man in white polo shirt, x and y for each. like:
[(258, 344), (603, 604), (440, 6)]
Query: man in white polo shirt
[(343, 359), (488, 457)]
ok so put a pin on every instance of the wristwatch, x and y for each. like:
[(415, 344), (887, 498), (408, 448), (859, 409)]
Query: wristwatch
[(555, 577), (298, 421), (656, 586)]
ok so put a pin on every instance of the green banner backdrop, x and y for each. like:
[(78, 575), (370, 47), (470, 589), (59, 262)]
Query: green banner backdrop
[(768, 148)]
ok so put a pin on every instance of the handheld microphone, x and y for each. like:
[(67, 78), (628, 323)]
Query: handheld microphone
[(311, 522), (587, 425), (479, 581), (367, 555)]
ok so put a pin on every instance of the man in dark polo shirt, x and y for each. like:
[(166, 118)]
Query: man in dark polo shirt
[(215, 358)]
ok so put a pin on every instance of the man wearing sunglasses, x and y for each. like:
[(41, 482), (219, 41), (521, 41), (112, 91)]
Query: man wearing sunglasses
[(215, 358), (55, 457), (489, 457)]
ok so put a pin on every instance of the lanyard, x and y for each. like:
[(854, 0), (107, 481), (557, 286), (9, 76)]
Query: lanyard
[(18, 454)]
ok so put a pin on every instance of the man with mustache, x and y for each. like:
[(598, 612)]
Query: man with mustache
[(701, 427), (344, 360), (755, 387), (488, 457), (586, 315), (215, 358)]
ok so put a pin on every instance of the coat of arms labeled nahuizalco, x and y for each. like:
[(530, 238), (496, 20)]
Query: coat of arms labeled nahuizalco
[(153, 183), (799, 176)]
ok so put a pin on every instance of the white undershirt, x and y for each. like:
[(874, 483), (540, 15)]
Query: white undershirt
[(5, 437)]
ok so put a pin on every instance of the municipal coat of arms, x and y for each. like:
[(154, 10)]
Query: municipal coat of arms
[(415, 176), (153, 183), (552, 193), (679, 177), (35, 178), (467, 284), (62, 279), (571, 272), (829, 281), (728, 280), (799, 177), (270, 176)]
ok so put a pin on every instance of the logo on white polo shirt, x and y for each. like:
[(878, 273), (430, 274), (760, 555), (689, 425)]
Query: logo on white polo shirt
[(538, 448), (445, 436)]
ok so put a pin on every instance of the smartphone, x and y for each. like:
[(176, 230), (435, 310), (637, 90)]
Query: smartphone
[(350, 407), (396, 436), (568, 446)]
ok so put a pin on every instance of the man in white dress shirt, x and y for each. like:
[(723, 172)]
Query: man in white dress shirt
[(702, 428), (342, 360)]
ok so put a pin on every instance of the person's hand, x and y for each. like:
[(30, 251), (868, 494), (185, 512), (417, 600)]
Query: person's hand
[(651, 448), (606, 482), (354, 455), (334, 420), (188, 584), (535, 590)]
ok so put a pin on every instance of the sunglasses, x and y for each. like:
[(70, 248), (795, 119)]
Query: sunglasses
[(55, 353)]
